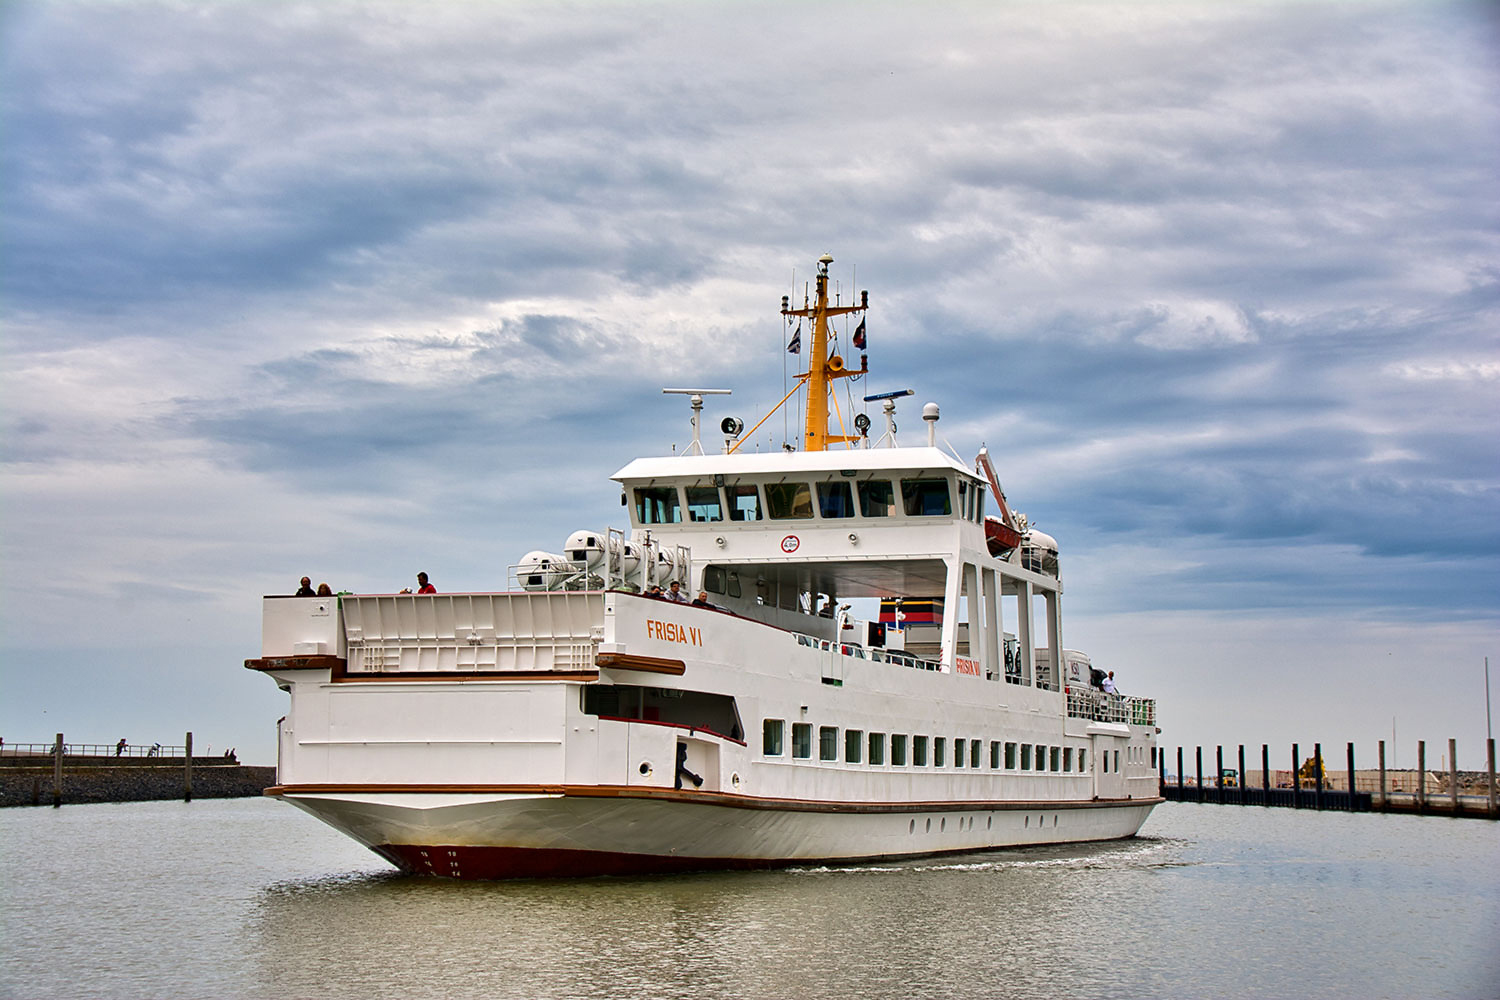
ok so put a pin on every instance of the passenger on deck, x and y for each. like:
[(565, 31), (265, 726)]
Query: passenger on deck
[(655, 591), (306, 589), (701, 601), (423, 587), (674, 593), (1109, 684), (324, 590)]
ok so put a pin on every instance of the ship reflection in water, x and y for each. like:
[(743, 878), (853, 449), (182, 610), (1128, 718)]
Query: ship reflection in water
[(245, 899)]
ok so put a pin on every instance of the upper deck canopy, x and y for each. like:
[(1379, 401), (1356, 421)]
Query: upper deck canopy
[(894, 460)]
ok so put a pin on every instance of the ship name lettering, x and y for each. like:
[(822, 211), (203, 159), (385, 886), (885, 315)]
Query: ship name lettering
[(673, 632)]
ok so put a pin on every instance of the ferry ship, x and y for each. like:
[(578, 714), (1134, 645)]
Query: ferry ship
[(877, 671)]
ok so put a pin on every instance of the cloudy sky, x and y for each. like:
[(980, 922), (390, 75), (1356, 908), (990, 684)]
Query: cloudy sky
[(356, 290)]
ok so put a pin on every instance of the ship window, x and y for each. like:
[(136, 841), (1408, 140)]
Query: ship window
[(979, 493), (939, 750), (1153, 757), (744, 502), (854, 741), (835, 499), (876, 498), (789, 500), (703, 504), (994, 754), (1067, 758), (898, 749), (802, 740), (771, 734), (1117, 761), (877, 748), (657, 505), (713, 579), (925, 497), (828, 743), (1083, 759), (958, 753), (1055, 756), (1025, 756), (1041, 758), (974, 747), (734, 585), (919, 751), (1010, 756)]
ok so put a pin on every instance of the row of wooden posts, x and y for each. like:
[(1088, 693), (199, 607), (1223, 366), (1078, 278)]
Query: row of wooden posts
[(1320, 797), (57, 770)]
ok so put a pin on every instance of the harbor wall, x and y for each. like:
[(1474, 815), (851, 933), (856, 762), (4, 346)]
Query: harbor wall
[(26, 786)]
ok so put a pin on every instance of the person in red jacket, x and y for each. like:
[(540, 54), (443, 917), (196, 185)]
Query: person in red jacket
[(423, 587)]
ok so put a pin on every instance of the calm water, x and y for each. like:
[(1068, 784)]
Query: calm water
[(251, 898)]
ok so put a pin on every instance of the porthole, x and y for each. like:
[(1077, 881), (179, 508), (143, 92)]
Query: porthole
[(913, 827), (943, 825), (646, 768), (989, 824), (929, 824)]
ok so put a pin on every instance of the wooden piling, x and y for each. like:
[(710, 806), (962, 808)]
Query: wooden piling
[(187, 769), (57, 756), (1318, 776), (1351, 777), (1453, 771), (1219, 771), (1494, 812), (1200, 773), (1381, 800), (1242, 774), (1421, 776), (1265, 774), (1296, 779), (1179, 774)]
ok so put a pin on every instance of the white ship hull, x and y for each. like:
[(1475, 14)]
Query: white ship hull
[(599, 831)]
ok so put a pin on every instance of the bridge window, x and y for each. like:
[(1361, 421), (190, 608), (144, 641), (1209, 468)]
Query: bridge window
[(898, 749), (919, 751), (876, 498), (772, 733), (703, 504), (828, 743), (925, 497), (835, 499), (744, 502), (802, 740), (854, 741), (657, 505), (785, 501)]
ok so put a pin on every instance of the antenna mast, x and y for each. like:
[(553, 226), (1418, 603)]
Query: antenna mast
[(823, 369)]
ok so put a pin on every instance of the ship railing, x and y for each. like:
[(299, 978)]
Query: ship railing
[(859, 652), (91, 750), (1101, 706)]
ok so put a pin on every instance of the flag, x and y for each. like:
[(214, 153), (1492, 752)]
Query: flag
[(795, 347), (859, 336)]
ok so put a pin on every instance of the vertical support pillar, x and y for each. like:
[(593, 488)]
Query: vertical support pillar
[(1318, 776), (1242, 774), (1453, 772), (1219, 773), (1265, 774), (1380, 803), (1296, 779), (1161, 774), (187, 769), (1421, 775), (57, 756), (951, 594), (969, 593), (1200, 773), (1054, 638), (994, 634), (1493, 811), (1351, 777), (1179, 774)]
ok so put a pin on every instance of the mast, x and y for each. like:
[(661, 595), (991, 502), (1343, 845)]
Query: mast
[(822, 369)]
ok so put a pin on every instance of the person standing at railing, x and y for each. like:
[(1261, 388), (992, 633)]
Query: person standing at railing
[(120, 747), (1108, 684)]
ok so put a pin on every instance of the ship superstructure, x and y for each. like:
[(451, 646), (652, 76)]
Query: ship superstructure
[(872, 675)]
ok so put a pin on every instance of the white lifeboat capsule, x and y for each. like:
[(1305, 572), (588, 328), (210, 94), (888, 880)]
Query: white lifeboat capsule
[(540, 570), (1039, 552)]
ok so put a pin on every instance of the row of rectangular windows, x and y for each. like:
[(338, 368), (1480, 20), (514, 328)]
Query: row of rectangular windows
[(860, 747), (741, 501)]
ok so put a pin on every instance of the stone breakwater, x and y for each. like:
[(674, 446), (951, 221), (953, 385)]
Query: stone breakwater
[(25, 786)]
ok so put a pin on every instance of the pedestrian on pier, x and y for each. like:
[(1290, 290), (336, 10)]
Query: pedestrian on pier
[(120, 747)]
